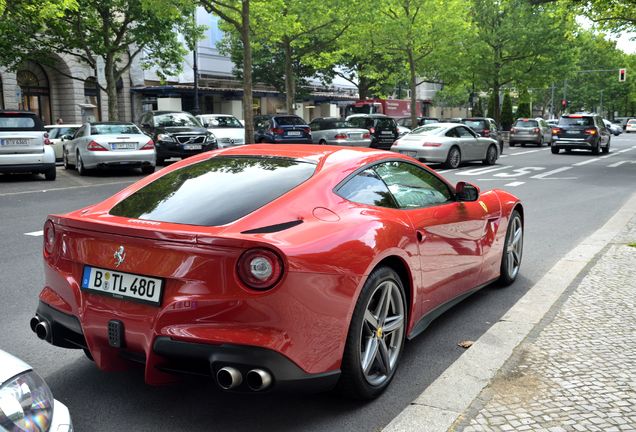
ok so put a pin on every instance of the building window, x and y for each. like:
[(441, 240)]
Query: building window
[(215, 32), (33, 91), (91, 109)]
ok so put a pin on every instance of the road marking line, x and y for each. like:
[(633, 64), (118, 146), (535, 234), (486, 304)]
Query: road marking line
[(604, 157), (503, 156), (519, 172), (554, 171), (513, 184), (585, 162), (496, 179), (478, 171), (524, 152), (35, 233), (619, 163), (67, 188), (445, 171)]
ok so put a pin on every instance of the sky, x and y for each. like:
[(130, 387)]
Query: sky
[(625, 42)]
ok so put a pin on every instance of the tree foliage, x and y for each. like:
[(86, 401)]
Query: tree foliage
[(506, 112)]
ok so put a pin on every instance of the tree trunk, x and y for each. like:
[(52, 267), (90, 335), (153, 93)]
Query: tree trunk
[(496, 86), (412, 86), (290, 87), (363, 87), (111, 88), (248, 114)]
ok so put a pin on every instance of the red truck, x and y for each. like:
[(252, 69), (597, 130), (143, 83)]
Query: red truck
[(392, 107)]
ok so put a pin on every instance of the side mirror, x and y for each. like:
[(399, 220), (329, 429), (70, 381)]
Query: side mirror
[(66, 137), (478, 135), (466, 192), (145, 126)]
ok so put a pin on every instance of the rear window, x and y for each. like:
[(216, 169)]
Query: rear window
[(114, 129), (18, 121), (216, 191), (427, 130), (385, 123), (475, 124), (338, 124), (363, 122), (576, 121), (632, 121), (527, 123), (290, 121)]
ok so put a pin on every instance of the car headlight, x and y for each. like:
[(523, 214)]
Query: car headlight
[(210, 138), (165, 137), (26, 403)]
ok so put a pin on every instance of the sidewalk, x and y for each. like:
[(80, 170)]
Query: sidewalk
[(569, 363)]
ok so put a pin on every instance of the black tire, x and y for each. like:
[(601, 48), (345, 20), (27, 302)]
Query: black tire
[(554, 150), (541, 143), (491, 156), (523, 144), (606, 149), (50, 174), (81, 169), (147, 169), (454, 158), (353, 381), (511, 144), (511, 259), (161, 161), (596, 149), (501, 147), (322, 142), (65, 162)]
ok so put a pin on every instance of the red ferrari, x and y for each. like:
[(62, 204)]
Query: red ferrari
[(272, 267)]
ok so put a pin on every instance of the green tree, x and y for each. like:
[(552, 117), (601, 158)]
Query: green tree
[(492, 106), (523, 107), (478, 109), (506, 112), (106, 34)]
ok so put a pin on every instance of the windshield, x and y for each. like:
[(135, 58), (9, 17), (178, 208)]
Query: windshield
[(114, 129), (475, 124), (240, 186), (339, 125), (526, 124), (576, 121), (290, 121), (221, 122), (427, 130), (176, 119), (18, 121)]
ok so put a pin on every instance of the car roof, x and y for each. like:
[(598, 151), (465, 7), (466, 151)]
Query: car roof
[(214, 115), (369, 115), (66, 125), (168, 112)]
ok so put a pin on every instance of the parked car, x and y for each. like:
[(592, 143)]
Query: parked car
[(614, 129), (383, 129), (581, 131), (26, 401), (272, 267), (630, 126), (448, 143), (109, 144), (57, 134), (486, 127), (622, 121), (226, 128), (336, 131), (176, 134), (552, 122), (530, 131), (24, 145), (281, 129), (402, 130), (421, 121)]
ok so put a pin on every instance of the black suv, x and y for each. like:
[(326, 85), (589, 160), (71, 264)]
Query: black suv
[(581, 131), (421, 121), (486, 127), (383, 129), (281, 129), (176, 134)]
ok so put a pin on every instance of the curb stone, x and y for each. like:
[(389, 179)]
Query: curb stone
[(442, 404)]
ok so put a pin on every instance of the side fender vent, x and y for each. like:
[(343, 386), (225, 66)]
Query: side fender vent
[(273, 228)]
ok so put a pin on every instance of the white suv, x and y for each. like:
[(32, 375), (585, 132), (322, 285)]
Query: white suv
[(24, 145)]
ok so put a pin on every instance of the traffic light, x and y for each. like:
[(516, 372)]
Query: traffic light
[(622, 74)]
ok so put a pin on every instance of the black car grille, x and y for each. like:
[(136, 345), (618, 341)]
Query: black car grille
[(190, 139)]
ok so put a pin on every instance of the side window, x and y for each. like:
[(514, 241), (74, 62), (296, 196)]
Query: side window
[(452, 133), (314, 125), (412, 186), (464, 133), (53, 133), (367, 188), (80, 132)]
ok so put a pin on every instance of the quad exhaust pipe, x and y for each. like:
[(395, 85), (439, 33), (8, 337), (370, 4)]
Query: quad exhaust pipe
[(40, 327), (258, 379), (229, 378)]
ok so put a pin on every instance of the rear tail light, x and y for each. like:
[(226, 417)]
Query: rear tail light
[(150, 145), (307, 130), (366, 136), (486, 132), (47, 141), (556, 131), (277, 131), (590, 131), (535, 130), (513, 131), (431, 144), (341, 136), (49, 237), (259, 269), (93, 146), (372, 130)]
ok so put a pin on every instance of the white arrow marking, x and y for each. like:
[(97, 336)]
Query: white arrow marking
[(35, 233), (619, 163), (513, 184), (479, 171), (519, 172), (554, 171)]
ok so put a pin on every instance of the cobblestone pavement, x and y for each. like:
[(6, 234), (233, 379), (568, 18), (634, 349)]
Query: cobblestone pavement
[(578, 373)]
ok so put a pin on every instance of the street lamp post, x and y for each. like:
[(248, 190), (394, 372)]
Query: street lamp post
[(195, 68)]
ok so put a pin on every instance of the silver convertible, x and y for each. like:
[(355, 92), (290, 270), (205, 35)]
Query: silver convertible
[(109, 144), (447, 143)]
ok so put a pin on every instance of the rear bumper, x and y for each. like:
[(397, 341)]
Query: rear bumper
[(28, 162), (168, 356), (428, 155), (573, 143), (350, 142), (524, 139), (113, 158), (170, 149)]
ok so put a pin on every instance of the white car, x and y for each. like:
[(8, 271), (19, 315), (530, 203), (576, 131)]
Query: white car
[(109, 144), (59, 133), (630, 126), (448, 143), (228, 130), (614, 129), (26, 402), (24, 145)]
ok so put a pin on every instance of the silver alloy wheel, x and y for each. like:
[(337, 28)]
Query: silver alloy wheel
[(454, 158), (65, 160), (492, 155), (382, 333), (514, 248), (80, 164)]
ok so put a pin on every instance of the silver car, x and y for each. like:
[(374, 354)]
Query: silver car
[(227, 129), (26, 402), (59, 133), (335, 131), (448, 143), (109, 144), (530, 131)]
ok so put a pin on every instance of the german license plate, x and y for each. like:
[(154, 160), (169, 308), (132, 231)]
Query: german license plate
[(409, 153), (294, 133), (123, 146), (386, 133), (122, 285), (192, 147), (14, 142), (572, 132)]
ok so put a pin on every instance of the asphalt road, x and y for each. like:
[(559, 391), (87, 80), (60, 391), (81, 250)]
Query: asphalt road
[(566, 196)]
